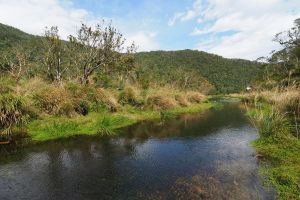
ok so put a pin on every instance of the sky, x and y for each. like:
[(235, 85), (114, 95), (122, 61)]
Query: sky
[(230, 28)]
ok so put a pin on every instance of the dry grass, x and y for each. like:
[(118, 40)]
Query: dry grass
[(106, 98), (160, 102), (284, 100), (182, 100), (195, 97), (55, 101), (130, 95)]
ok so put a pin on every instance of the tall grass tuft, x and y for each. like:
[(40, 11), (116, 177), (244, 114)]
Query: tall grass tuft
[(129, 96), (195, 97), (160, 102), (55, 101), (270, 122), (13, 113)]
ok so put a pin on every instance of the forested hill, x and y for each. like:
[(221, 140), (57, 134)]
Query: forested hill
[(185, 67), (227, 75)]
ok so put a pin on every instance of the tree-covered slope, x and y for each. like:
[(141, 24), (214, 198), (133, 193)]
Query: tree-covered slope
[(185, 67), (227, 75), (10, 36)]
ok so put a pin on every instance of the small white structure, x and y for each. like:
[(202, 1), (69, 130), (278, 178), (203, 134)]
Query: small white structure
[(248, 88)]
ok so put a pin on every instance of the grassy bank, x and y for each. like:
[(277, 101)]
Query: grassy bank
[(51, 128), (47, 111), (275, 117)]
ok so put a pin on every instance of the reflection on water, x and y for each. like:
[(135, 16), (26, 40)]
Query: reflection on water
[(201, 156)]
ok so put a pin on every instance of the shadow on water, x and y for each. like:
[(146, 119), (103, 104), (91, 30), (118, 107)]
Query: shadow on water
[(199, 156)]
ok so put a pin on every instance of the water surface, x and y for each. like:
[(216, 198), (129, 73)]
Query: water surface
[(199, 156)]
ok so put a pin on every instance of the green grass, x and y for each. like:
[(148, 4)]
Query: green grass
[(52, 128), (284, 170), (280, 149)]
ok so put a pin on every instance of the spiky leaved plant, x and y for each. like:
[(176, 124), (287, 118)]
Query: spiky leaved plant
[(12, 113)]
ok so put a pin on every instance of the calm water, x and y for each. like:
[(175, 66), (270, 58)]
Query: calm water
[(201, 156)]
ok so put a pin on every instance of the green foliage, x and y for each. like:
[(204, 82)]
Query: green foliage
[(226, 75), (270, 123), (284, 170)]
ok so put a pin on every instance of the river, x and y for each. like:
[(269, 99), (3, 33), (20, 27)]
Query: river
[(195, 156)]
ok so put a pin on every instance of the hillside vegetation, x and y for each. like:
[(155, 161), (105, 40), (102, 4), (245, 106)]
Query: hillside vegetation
[(226, 75), (90, 84), (277, 114), (185, 69)]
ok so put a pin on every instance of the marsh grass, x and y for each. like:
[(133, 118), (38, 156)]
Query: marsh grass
[(13, 113), (275, 116), (102, 124)]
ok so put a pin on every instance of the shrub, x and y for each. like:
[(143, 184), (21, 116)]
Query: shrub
[(158, 102), (55, 101), (195, 97), (13, 113)]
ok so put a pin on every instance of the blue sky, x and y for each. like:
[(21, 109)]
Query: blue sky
[(231, 28)]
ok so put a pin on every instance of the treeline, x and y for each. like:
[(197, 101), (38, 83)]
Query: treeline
[(277, 114), (93, 74), (226, 75), (90, 54), (282, 67), (94, 54)]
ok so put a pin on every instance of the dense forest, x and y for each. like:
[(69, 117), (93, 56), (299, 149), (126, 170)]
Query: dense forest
[(226, 75)]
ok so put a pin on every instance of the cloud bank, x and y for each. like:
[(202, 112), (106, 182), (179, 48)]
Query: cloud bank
[(238, 28), (32, 16)]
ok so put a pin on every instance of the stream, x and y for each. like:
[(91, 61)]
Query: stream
[(195, 156)]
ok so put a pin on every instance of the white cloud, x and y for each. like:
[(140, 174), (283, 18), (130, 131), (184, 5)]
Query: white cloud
[(188, 14), (253, 23), (32, 16), (145, 40)]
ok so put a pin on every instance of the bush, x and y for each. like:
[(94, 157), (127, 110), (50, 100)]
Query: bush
[(55, 101), (158, 102), (195, 97), (13, 113)]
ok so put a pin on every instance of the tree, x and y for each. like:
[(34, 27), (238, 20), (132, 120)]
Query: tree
[(287, 59), (94, 48), (16, 63), (53, 55)]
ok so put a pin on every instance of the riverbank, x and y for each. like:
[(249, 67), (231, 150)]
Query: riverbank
[(278, 144), (105, 123)]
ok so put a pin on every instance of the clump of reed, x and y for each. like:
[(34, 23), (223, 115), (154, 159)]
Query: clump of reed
[(270, 122), (182, 100), (55, 101), (129, 95), (160, 102), (104, 98), (195, 97), (13, 113)]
